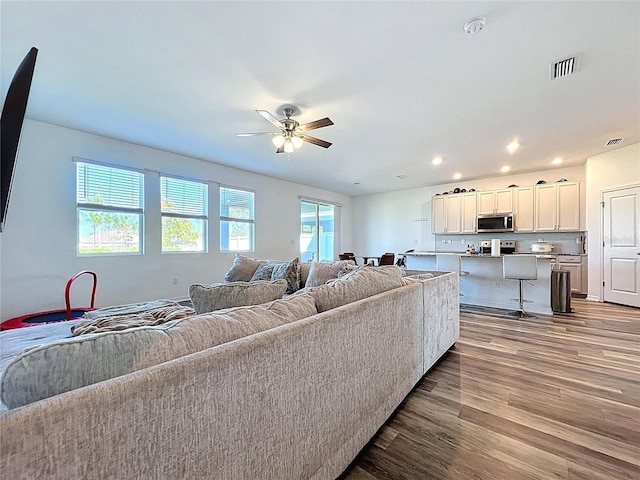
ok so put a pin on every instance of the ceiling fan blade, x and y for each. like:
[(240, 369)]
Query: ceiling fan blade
[(316, 141), (270, 118), (256, 133), (280, 149), (323, 122)]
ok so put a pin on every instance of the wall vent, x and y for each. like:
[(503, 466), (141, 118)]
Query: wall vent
[(563, 68), (614, 141)]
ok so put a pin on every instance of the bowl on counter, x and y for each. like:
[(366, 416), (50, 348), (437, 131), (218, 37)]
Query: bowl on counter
[(541, 247)]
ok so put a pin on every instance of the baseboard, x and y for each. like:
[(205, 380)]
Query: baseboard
[(593, 298)]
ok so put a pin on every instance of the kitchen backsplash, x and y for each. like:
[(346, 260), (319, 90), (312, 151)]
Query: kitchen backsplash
[(567, 243)]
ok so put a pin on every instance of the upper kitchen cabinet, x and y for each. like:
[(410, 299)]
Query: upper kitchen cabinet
[(446, 214), (557, 207), (523, 209), (454, 213), (493, 202), (468, 213)]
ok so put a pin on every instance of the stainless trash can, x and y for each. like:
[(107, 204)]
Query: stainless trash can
[(561, 291)]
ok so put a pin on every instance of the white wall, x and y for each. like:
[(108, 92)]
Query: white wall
[(38, 250), (618, 168), (401, 220)]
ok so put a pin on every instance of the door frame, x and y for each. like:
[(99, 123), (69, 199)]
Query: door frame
[(602, 229)]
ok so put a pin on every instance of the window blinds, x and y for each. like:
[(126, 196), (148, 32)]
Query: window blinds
[(236, 205), (102, 186), (183, 197)]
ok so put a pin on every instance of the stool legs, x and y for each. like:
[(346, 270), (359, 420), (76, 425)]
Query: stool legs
[(521, 313)]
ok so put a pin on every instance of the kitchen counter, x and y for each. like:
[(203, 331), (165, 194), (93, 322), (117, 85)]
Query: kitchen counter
[(484, 283)]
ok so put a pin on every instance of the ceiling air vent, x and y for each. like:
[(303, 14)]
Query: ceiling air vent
[(613, 141), (563, 68)]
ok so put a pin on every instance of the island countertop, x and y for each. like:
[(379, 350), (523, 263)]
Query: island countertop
[(429, 253)]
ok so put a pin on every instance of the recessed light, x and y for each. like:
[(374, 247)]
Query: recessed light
[(557, 161), (437, 161), (505, 169), (402, 177), (513, 146), (457, 176)]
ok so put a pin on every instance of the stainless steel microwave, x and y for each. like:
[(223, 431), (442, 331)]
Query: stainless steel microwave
[(495, 223)]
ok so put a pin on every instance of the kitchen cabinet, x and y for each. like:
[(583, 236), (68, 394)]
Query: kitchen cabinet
[(523, 198), (576, 265), (452, 214), (468, 213), (557, 207), (492, 202), (445, 214)]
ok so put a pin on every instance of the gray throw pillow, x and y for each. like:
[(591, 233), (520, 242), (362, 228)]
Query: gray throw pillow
[(242, 269), (209, 298), (263, 272), (289, 272)]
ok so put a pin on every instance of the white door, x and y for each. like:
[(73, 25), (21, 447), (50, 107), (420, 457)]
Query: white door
[(621, 245)]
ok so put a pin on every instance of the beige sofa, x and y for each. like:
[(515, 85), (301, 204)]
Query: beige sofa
[(296, 401)]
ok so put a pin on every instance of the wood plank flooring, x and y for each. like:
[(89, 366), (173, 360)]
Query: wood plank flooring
[(557, 397)]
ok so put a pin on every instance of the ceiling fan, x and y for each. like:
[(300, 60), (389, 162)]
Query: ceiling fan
[(291, 134)]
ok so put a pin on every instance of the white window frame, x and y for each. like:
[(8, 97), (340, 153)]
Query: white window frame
[(83, 204), (226, 218), (203, 215)]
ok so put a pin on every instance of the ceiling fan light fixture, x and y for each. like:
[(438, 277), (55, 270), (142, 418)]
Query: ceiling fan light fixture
[(278, 141), (288, 146), (296, 141)]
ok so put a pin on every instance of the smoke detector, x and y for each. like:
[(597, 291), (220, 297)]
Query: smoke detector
[(475, 25)]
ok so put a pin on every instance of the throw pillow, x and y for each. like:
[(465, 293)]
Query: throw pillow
[(361, 283), (321, 272), (288, 272), (263, 272), (242, 269), (208, 298)]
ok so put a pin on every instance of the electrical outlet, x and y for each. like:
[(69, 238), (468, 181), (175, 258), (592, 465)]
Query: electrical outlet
[(496, 284), (175, 280)]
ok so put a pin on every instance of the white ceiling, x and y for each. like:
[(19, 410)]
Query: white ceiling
[(402, 82)]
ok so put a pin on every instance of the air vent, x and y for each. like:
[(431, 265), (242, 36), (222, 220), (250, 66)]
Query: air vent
[(563, 68), (614, 141)]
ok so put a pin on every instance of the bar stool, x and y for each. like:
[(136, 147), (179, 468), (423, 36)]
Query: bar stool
[(521, 268), (450, 263)]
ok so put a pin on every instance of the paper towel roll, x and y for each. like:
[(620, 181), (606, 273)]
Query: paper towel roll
[(495, 247)]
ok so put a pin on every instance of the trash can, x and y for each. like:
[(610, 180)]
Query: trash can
[(561, 291)]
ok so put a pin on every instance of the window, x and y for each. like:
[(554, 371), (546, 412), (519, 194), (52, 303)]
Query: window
[(184, 215), (236, 220), (316, 231), (110, 214)]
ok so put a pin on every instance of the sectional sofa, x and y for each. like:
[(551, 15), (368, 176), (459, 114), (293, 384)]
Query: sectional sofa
[(296, 395)]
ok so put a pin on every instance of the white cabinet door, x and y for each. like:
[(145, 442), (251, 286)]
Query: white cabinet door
[(453, 214), (557, 207), (468, 212), (546, 207), (576, 275), (486, 203), (523, 209), (503, 201), (438, 215), (568, 209)]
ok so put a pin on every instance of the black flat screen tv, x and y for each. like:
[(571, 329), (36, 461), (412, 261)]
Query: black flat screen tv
[(13, 110)]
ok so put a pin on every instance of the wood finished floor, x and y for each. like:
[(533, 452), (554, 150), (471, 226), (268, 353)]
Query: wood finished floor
[(557, 397)]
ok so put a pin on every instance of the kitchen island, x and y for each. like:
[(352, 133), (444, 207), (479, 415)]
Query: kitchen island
[(485, 286)]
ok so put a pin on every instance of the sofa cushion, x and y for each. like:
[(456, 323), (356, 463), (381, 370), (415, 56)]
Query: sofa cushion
[(68, 364), (208, 298), (289, 272), (361, 283), (304, 272), (321, 272), (242, 269)]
